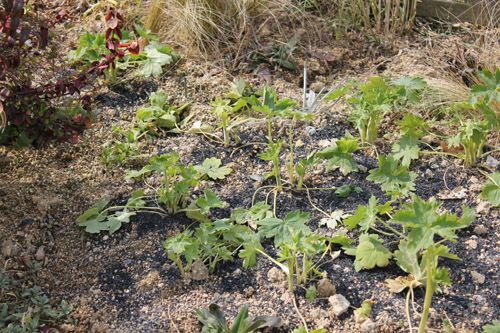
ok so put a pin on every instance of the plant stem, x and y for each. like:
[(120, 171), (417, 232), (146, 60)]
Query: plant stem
[(269, 129), (428, 297), (290, 274), (291, 156)]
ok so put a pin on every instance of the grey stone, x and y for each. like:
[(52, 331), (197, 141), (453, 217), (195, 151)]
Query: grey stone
[(339, 304), (478, 278)]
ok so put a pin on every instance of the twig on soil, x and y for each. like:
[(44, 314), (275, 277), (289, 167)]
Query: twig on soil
[(246, 145), (257, 190), (171, 320), (444, 179), (313, 205), (298, 312)]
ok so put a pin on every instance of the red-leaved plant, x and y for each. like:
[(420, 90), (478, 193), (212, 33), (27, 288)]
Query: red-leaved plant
[(29, 111)]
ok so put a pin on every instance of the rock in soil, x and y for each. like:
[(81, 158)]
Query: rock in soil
[(325, 288), (339, 304), (10, 249), (40, 254), (368, 326), (480, 229), (275, 275), (199, 271), (478, 278)]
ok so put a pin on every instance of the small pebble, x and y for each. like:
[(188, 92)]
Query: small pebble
[(471, 243), (10, 249), (368, 326), (275, 275), (478, 278), (40, 254), (325, 288), (492, 162), (310, 130), (339, 304), (480, 229)]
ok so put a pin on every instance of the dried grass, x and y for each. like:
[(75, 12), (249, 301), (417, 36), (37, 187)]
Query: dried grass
[(216, 26), (389, 17)]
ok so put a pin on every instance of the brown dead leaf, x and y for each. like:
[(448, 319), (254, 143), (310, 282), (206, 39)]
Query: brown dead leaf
[(400, 283)]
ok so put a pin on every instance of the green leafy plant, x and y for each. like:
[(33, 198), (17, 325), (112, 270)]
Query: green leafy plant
[(227, 110), (366, 216), (211, 243), (491, 190), (311, 293), (272, 154), (488, 91), (302, 166), (294, 240), (159, 115), (416, 225), (306, 246), (472, 137), (407, 149), (377, 97), (156, 118), (28, 309), (395, 180), (271, 106), (214, 321), (340, 155), (102, 217), (345, 190), (423, 222), (370, 252), (484, 106), (211, 167), (176, 181), (494, 327), (124, 147)]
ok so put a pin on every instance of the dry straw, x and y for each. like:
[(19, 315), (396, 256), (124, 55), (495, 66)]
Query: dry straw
[(215, 26)]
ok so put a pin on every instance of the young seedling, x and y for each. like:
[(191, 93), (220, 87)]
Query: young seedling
[(102, 217), (271, 107), (211, 243), (272, 154), (222, 110), (485, 101), (375, 98), (472, 137), (295, 116), (420, 223), (424, 222), (340, 155), (213, 320), (407, 149), (159, 115), (123, 148), (394, 179), (301, 168), (491, 190), (294, 240)]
